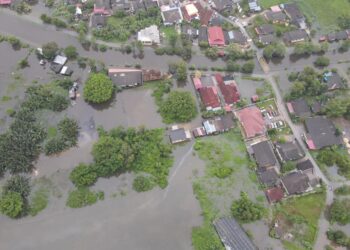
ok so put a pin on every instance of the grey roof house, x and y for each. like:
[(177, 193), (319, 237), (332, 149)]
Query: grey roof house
[(98, 20), (232, 235), (218, 125), (305, 166), (203, 34), (171, 15), (289, 151), (268, 177), (276, 17), (126, 77), (333, 80), (299, 108), (295, 36), (178, 135), (264, 155), (296, 16), (321, 133), (265, 29), (235, 36), (267, 39), (296, 183)]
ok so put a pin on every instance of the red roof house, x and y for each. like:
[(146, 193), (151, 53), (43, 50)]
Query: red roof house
[(210, 98), (274, 194), (252, 121), (190, 12), (100, 10), (216, 36), (197, 83), (5, 2), (228, 90)]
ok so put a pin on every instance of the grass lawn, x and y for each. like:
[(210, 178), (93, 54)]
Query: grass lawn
[(325, 14), (299, 216), (216, 194)]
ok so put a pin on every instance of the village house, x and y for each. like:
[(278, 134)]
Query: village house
[(236, 36), (171, 15), (218, 125), (295, 36), (295, 183), (203, 34), (252, 122), (5, 2), (268, 177), (289, 151), (266, 39), (333, 80), (102, 7), (254, 6), (232, 235), (216, 36), (199, 132), (98, 20), (190, 32), (321, 133), (299, 108), (190, 12), (338, 36), (209, 97), (274, 194), (265, 29), (295, 15), (277, 17), (228, 89), (306, 167), (205, 14), (222, 5), (178, 135), (149, 35), (151, 75), (264, 155), (122, 77), (122, 5)]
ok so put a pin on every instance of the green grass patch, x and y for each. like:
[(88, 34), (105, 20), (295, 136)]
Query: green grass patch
[(299, 216), (168, 31), (51, 132), (39, 201), (6, 98)]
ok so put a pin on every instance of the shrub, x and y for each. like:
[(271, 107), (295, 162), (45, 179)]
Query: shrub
[(142, 184), (339, 211), (103, 48), (69, 130), (54, 146), (11, 112), (39, 201), (98, 88), (23, 63), (71, 52), (322, 61), (11, 204), (222, 172), (81, 197), (288, 166), (338, 237), (18, 184), (248, 67), (83, 175), (245, 210)]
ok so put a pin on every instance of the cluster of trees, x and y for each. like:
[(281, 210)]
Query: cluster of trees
[(338, 237), (322, 61), (13, 202), (345, 46), (334, 156), (276, 50), (339, 211), (306, 83), (98, 88), (123, 150), (126, 25), (245, 210), (68, 131), (178, 45), (82, 197), (50, 50), (344, 21), (53, 20), (142, 183), (338, 107), (179, 70), (71, 52), (308, 48), (179, 106), (14, 41)]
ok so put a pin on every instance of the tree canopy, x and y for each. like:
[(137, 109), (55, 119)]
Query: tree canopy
[(339, 211), (71, 52), (180, 106), (11, 204), (98, 88), (274, 50), (245, 210), (49, 50)]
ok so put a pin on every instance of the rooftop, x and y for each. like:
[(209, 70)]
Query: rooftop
[(252, 121), (209, 97), (299, 108), (295, 183), (264, 155), (268, 177), (274, 194), (289, 151), (305, 165), (216, 36), (125, 77)]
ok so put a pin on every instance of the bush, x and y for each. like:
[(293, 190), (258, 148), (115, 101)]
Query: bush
[(248, 67), (23, 63), (103, 48), (142, 184), (11, 204), (69, 130), (180, 106), (18, 184), (71, 52), (54, 145), (98, 88), (81, 197), (83, 175), (46, 19), (222, 172), (245, 210), (322, 61)]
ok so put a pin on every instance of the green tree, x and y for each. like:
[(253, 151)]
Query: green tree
[(339, 211), (11, 204), (83, 175), (142, 184), (71, 52), (338, 237), (181, 71), (98, 88), (212, 53), (81, 197), (274, 50), (180, 106), (322, 61), (248, 67), (245, 210), (337, 107), (49, 50), (18, 184)]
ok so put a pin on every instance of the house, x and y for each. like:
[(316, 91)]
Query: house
[(56, 67), (61, 60), (306, 167), (203, 34), (222, 5), (251, 121), (149, 35), (66, 71), (268, 177), (267, 39), (171, 15), (276, 17), (295, 15), (102, 7), (316, 107), (5, 2), (274, 194), (265, 29), (295, 183), (98, 20), (236, 36), (205, 14), (209, 97), (321, 133), (333, 80), (299, 108), (199, 132), (122, 77), (254, 6), (216, 36), (190, 12), (228, 90), (232, 235), (264, 155), (218, 125), (178, 135), (197, 83), (295, 36), (151, 75), (289, 151), (122, 5), (190, 32)]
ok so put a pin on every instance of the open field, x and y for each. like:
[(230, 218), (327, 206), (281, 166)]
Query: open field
[(325, 14)]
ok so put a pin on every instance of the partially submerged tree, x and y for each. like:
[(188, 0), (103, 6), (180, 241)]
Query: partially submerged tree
[(98, 88)]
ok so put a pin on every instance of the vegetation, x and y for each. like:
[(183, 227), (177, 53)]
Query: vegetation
[(81, 197), (322, 61), (11, 204), (274, 51), (343, 190), (248, 67), (142, 184), (288, 166), (233, 52), (98, 88), (338, 237), (83, 175), (71, 52), (18, 184), (245, 210), (49, 50), (331, 156), (179, 106), (39, 201), (339, 211)]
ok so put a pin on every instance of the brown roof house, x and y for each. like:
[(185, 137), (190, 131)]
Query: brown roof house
[(276, 17), (252, 122), (209, 97), (274, 194)]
